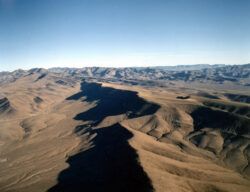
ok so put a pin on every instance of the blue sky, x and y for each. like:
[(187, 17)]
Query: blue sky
[(118, 33)]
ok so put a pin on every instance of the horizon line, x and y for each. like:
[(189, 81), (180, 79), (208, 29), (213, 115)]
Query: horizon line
[(148, 66)]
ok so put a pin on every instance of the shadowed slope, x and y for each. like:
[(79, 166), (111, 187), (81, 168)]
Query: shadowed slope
[(227, 122), (111, 164), (111, 102), (226, 134), (239, 98), (5, 106)]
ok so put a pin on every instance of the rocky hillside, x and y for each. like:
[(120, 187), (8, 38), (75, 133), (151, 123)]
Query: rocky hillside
[(236, 74)]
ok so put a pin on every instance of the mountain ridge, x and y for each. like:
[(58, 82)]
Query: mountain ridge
[(236, 74)]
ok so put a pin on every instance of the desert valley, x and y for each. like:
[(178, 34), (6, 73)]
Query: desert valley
[(180, 128)]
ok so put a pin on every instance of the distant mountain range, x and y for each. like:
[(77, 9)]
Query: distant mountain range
[(203, 73)]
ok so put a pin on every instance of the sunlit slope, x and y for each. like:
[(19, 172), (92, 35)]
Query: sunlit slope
[(62, 134)]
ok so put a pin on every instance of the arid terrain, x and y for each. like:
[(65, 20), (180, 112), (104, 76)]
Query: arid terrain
[(158, 129)]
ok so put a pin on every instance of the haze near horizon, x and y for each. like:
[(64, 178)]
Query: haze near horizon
[(123, 33)]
